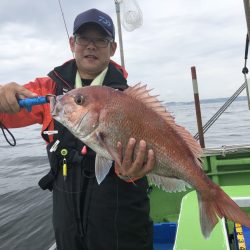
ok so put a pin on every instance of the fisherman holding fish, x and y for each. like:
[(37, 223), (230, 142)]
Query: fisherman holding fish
[(86, 215), (95, 204)]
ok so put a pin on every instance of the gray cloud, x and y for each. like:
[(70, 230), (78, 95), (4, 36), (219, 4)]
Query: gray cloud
[(175, 35)]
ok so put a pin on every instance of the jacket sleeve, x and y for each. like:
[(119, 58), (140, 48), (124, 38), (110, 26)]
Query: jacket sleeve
[(40, 113)]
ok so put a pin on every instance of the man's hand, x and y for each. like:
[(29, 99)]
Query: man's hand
[(138, 168), (9, 94)]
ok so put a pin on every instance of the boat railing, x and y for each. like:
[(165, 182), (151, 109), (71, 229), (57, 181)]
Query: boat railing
[(227, 149)]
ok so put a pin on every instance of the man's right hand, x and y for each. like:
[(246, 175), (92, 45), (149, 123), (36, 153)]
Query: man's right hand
[(9, 94)]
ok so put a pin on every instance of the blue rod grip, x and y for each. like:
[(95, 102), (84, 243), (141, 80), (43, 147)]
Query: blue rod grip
[(29, 102)]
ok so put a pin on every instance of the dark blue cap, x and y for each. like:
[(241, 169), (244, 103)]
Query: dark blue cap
[(95, 16)]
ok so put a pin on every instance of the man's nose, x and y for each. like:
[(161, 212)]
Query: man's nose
[(91, 44)]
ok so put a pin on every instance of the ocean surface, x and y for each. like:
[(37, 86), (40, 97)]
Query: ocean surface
[(26, 210)]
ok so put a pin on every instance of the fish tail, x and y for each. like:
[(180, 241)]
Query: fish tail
[(215, 204)]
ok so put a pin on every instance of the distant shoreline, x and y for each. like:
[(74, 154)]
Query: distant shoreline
[(211, 100)]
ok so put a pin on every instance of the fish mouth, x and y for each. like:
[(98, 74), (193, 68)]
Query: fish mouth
[(52, 102), (55, 106)]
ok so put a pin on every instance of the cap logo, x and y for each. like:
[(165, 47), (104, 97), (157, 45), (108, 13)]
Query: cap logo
[(104, 20)]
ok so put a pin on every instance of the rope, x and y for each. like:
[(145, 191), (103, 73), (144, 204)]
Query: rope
[(2, 126)]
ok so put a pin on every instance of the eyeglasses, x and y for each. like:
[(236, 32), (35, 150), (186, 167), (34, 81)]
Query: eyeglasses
[(98, 42)]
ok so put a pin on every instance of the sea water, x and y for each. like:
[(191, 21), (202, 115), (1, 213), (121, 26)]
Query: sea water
[(26, 210)]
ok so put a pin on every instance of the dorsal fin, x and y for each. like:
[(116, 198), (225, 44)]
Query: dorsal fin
[(141, 93)]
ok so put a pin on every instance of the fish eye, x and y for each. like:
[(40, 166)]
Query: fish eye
[(79, 99)]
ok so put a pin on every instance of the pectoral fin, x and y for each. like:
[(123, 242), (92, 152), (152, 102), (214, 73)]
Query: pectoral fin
[(114, 154), (102, 167)]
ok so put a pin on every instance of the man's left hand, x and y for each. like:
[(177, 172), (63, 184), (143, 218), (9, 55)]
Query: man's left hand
[(133, 170)]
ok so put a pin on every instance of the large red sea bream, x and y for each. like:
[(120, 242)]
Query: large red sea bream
[(101, 116)]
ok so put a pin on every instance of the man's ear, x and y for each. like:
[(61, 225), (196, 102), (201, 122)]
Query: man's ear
[(113, 47), (72, 43)]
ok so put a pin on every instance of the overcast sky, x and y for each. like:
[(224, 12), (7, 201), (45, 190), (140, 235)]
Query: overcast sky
[(175, 35)]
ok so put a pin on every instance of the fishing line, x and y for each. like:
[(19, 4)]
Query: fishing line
[(64, 21), (66, 29), (71, 192), (117, 184), (116, 214)]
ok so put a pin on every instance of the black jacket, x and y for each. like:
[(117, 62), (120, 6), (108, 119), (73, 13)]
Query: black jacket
[(111, 216)]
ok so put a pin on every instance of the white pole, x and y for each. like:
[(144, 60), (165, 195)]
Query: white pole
[(117, 5)]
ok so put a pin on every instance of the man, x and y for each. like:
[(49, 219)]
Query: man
[(115, 214)]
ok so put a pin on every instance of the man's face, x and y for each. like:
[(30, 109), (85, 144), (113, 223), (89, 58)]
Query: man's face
[(90, 58)]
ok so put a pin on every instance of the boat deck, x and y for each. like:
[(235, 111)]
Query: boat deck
[(189, 234)]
